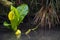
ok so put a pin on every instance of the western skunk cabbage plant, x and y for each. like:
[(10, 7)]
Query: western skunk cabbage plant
[(16, 16)]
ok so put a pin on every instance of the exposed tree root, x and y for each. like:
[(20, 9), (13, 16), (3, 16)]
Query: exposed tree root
[(46, 16)]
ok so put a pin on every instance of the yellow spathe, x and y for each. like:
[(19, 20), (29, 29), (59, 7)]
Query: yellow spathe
[(11, 15), (18, 32)]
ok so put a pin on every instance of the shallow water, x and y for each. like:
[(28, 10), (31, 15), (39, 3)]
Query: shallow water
[(33, 35)]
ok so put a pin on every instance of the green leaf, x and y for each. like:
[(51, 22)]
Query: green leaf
[(6, 24), (22, 10), (15, 11), (14, 22)]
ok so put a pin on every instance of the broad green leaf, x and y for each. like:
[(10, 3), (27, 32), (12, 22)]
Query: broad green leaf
[(14, 22), (22, 10), (15, 11)]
